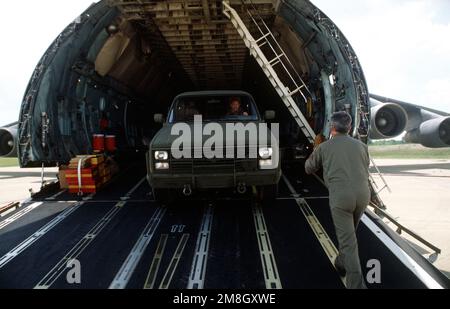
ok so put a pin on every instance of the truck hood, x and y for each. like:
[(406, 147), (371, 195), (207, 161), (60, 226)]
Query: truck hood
[(164, 139)]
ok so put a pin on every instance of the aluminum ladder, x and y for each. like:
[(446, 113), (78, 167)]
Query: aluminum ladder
[(380, 174), (280, 59)]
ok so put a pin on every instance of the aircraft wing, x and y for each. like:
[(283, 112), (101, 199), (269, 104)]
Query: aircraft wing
[(408, 106)]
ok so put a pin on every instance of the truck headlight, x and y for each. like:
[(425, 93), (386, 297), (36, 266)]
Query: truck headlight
[(162, 166), (161, 155), (265, 153)]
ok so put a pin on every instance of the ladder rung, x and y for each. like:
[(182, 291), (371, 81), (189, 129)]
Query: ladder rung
[(263, 44), (262, 38), (274, 64), (278, 57), (296, 90)]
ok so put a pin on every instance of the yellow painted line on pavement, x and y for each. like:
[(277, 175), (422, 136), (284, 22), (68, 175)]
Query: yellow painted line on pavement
[(154, 268)]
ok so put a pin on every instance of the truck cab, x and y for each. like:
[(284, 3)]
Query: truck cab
[(214, 140)]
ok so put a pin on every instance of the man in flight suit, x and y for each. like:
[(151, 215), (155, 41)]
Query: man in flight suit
[(345, 162)]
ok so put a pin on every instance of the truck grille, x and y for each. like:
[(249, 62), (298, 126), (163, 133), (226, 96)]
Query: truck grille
[(216, 166)]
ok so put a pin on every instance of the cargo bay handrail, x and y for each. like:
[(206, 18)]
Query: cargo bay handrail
[(401, 228), (267, 66)]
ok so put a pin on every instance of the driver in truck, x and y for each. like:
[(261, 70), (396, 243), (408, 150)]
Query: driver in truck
[(236, 108)]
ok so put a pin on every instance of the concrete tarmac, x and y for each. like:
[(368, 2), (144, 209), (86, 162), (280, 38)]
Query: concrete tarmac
[(420, 200), (15, 183)]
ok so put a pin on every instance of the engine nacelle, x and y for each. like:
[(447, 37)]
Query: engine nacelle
[(433, 133), (388, 120), (8, 141)]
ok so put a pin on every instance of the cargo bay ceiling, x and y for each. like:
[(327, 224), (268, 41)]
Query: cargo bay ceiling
[(196, 35), (126, 60)]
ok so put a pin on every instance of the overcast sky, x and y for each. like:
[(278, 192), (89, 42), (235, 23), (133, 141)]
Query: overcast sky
[(403, 45)]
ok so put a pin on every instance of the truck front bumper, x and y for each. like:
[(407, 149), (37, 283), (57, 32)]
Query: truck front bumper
[(215, 181)]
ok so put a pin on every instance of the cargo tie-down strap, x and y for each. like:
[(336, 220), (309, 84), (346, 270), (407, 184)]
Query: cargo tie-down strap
[(80, 184)]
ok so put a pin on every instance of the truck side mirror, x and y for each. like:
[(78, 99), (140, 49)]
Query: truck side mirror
[(270, 115), (159, 118)]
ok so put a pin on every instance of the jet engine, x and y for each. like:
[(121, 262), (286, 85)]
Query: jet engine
[(434, 133), (388, 120), (8, 141)]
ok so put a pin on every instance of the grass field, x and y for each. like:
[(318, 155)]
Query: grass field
[(8, 162), (408, 151)]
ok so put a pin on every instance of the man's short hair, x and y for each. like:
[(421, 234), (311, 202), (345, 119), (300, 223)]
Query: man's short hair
[(235, 99), (341, 122)]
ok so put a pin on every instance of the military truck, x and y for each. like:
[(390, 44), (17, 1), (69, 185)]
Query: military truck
[(218, 147)]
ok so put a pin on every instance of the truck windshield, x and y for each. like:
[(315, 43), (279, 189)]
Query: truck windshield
[(214, 108)]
